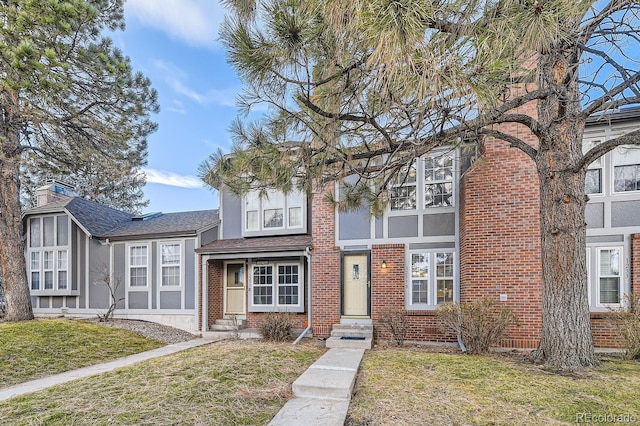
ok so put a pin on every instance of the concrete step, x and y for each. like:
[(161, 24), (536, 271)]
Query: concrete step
[(312, 412), (325, 384), (352, 330), (346, 343), (340, 359)]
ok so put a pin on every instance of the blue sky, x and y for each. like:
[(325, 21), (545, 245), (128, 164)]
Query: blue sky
[(174, 43)]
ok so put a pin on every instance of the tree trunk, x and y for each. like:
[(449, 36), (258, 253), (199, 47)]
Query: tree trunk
[(566, 342), (12, 253)]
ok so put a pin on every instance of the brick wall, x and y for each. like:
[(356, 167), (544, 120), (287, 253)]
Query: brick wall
[(635, 264), (388, 295), (325, 266), (215, 271), (255, 319), (500, 233)]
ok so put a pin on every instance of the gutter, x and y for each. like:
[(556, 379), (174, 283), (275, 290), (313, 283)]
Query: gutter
[(307, 254)]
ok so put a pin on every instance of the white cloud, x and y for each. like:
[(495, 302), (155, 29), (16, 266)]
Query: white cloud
[(172, 179), (176, 78), (194, 21)]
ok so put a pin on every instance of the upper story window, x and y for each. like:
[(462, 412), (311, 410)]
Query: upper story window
[(275, 212), (434, 183), (403, 192), (170, 264), (138, 266), (626, 169), (438, 181), (48, 254), (593, 178)]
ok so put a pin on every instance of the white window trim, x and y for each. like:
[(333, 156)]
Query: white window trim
[(421, 184), (275, 306), (621, 266), (55, 291), (181, 265), (432, 290), (395, 184), (285, 207), (128, 266)]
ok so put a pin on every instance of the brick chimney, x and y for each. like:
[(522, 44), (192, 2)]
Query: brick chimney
[(54, 191)]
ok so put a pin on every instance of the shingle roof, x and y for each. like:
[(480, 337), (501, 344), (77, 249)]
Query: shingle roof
[(105, 222), (166, 224), (257, 244)]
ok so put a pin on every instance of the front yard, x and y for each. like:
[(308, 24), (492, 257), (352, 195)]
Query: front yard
[(415, 386)]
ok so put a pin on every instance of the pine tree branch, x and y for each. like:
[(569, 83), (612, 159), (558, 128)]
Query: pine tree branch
[(632, 138), (514, 142)]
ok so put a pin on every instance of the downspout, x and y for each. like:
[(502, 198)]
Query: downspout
[(307, 254)]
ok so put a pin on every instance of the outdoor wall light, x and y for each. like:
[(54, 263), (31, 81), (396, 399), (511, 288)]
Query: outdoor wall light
[(384, 264)]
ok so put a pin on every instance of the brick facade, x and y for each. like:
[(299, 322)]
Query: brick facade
[(215, 307), (325, 266)]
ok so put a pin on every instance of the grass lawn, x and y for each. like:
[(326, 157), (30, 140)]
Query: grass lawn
[(398, 386), (38, 348), (228, 383)]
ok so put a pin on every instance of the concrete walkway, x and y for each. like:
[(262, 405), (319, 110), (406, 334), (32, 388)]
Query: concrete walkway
[(92, 370), (323, 392)]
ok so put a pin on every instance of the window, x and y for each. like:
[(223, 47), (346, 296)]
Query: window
[(626, 170), (609, 275), (593, 178), (626, 178), (403, 189), (276, 286), (275, 212), (170, 261), (48, 254), (138, 265), (431, 279), (438, 178)]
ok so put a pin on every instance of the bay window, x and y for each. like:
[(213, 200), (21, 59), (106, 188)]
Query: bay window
[(48, 254)]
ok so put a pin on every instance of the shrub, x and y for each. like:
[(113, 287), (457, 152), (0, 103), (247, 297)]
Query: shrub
[(480, 324), (277, 327), (397, 322), (626, 320)]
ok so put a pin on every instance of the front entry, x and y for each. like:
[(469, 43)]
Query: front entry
[(356, 285), (234, 289)]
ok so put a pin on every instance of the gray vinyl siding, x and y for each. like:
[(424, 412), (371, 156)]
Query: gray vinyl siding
[(379, 225), (231, 215), (80, 276), (170, 299), (625, 213), (138, 300), (190, 275), (99, 264), (403, 226), (154, 275), (355, 225), (209, 236), (594, 215), (57, 301), (119, 272), (605, 239), (434, 225)]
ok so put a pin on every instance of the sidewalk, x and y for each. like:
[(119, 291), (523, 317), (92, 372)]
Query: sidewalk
[(92, 370), (323, 392)]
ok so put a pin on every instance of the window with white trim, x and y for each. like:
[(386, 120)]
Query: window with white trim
[(431, 278), (610, 269), (626, 169), (138, 265), (170, 264), (48, 254), (593, 177), (403, 189), (275, 212), (275, 286), (438, 180)]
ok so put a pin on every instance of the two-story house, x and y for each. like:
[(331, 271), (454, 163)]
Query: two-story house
[(76, 248), (454, 230)]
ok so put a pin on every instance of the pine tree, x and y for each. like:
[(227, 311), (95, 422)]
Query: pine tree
[(65, 90)]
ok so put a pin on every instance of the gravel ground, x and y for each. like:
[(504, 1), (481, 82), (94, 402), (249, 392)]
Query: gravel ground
[(148, 329)]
